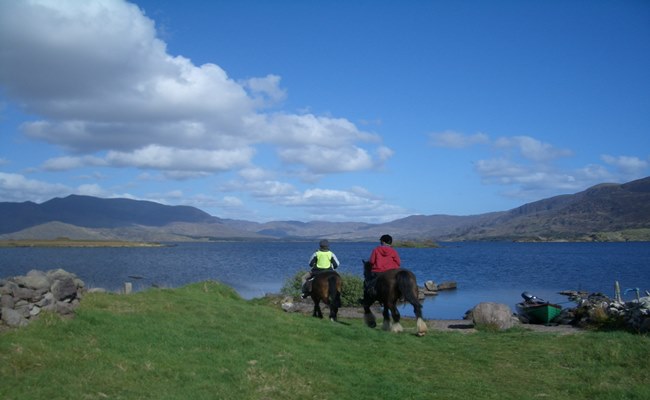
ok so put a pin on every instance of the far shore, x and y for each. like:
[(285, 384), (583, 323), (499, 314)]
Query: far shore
[(75, 243)]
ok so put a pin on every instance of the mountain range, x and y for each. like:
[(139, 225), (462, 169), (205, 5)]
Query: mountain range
[(607, 211)]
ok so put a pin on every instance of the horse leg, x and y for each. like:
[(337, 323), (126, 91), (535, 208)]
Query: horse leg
[(368, 316), (333, 312), (334, 296), (334, 306), (412, 297), (317, 311), (420, 324), (396, 326), (386, 325)]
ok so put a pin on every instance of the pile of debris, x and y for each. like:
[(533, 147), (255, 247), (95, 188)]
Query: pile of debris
[(598, 310)]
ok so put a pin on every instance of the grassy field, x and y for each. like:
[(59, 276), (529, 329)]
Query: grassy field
[(204, 342)]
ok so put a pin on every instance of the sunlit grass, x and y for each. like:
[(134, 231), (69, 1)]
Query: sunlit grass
[(204, 342)]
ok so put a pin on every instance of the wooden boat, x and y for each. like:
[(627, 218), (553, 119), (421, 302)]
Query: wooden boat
[(537, 311)]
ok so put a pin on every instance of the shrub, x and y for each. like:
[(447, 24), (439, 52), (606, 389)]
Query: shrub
[(292, 286), (352, 288)]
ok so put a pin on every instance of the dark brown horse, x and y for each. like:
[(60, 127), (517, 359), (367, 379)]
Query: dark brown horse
[(326, 287), (388, 288)]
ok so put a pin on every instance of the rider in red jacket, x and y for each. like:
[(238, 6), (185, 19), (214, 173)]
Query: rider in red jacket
[(384, 257)]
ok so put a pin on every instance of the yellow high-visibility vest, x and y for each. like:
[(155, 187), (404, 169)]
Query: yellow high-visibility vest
[(323, 259)]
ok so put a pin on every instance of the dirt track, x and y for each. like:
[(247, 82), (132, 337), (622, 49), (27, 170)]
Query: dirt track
[(466, 326), (441, 325)]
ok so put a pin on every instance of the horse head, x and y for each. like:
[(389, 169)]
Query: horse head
[(367, 268)]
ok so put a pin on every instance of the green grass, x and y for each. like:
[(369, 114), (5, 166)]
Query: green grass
[(203, 342), (417, 244)]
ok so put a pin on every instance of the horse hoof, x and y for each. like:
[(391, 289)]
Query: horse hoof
[(422, 327)]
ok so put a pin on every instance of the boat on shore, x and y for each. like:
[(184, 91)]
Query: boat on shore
[(534, 310)]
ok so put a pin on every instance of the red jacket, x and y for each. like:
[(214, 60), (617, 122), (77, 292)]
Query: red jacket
[(384, 258)]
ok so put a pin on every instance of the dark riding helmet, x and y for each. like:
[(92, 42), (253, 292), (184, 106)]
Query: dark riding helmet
[(324, 244), (386, 239)]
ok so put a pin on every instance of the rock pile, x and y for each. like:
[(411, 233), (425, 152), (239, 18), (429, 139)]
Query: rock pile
[(431, 288), (596, 309), (23, 298)]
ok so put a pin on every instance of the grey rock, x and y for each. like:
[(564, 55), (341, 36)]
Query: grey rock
[(13, 318), (493, 314)]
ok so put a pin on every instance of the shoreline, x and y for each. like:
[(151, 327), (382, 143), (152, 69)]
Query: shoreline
[(74, 243), (305, 307)]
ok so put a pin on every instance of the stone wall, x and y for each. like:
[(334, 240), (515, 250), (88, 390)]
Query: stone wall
[(23, 298)]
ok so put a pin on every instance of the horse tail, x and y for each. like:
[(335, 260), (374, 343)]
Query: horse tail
[(334, 294), (407, 286)]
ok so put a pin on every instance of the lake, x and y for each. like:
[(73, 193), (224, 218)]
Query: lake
[(484, 271)]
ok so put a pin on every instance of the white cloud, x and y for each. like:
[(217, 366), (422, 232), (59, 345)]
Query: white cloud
[(525, 167), (232, 201), (92, 190), (384, 153), (346, 205), (628, 165), (326, 160), (166, 158), (457, 140), (266, 90), (308, 129), (15, 187), (531, 148), (354, 204), (500, 169), (106, 83), (70, 162), (256, 174), (184, 175), (267, 190)]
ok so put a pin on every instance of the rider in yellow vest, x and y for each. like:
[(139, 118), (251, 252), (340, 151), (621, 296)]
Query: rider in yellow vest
[(322, 260)]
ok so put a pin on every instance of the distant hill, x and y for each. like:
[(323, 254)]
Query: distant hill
[(602, 212), (605, 208), (93, 212), (87, 217)]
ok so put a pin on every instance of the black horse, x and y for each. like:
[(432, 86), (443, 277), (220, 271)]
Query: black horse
[(326, 287), (388, 288)]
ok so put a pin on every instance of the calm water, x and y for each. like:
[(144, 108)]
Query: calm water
[(484, 271)]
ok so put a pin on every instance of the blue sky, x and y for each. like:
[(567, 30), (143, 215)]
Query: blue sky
[(322, 110)]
